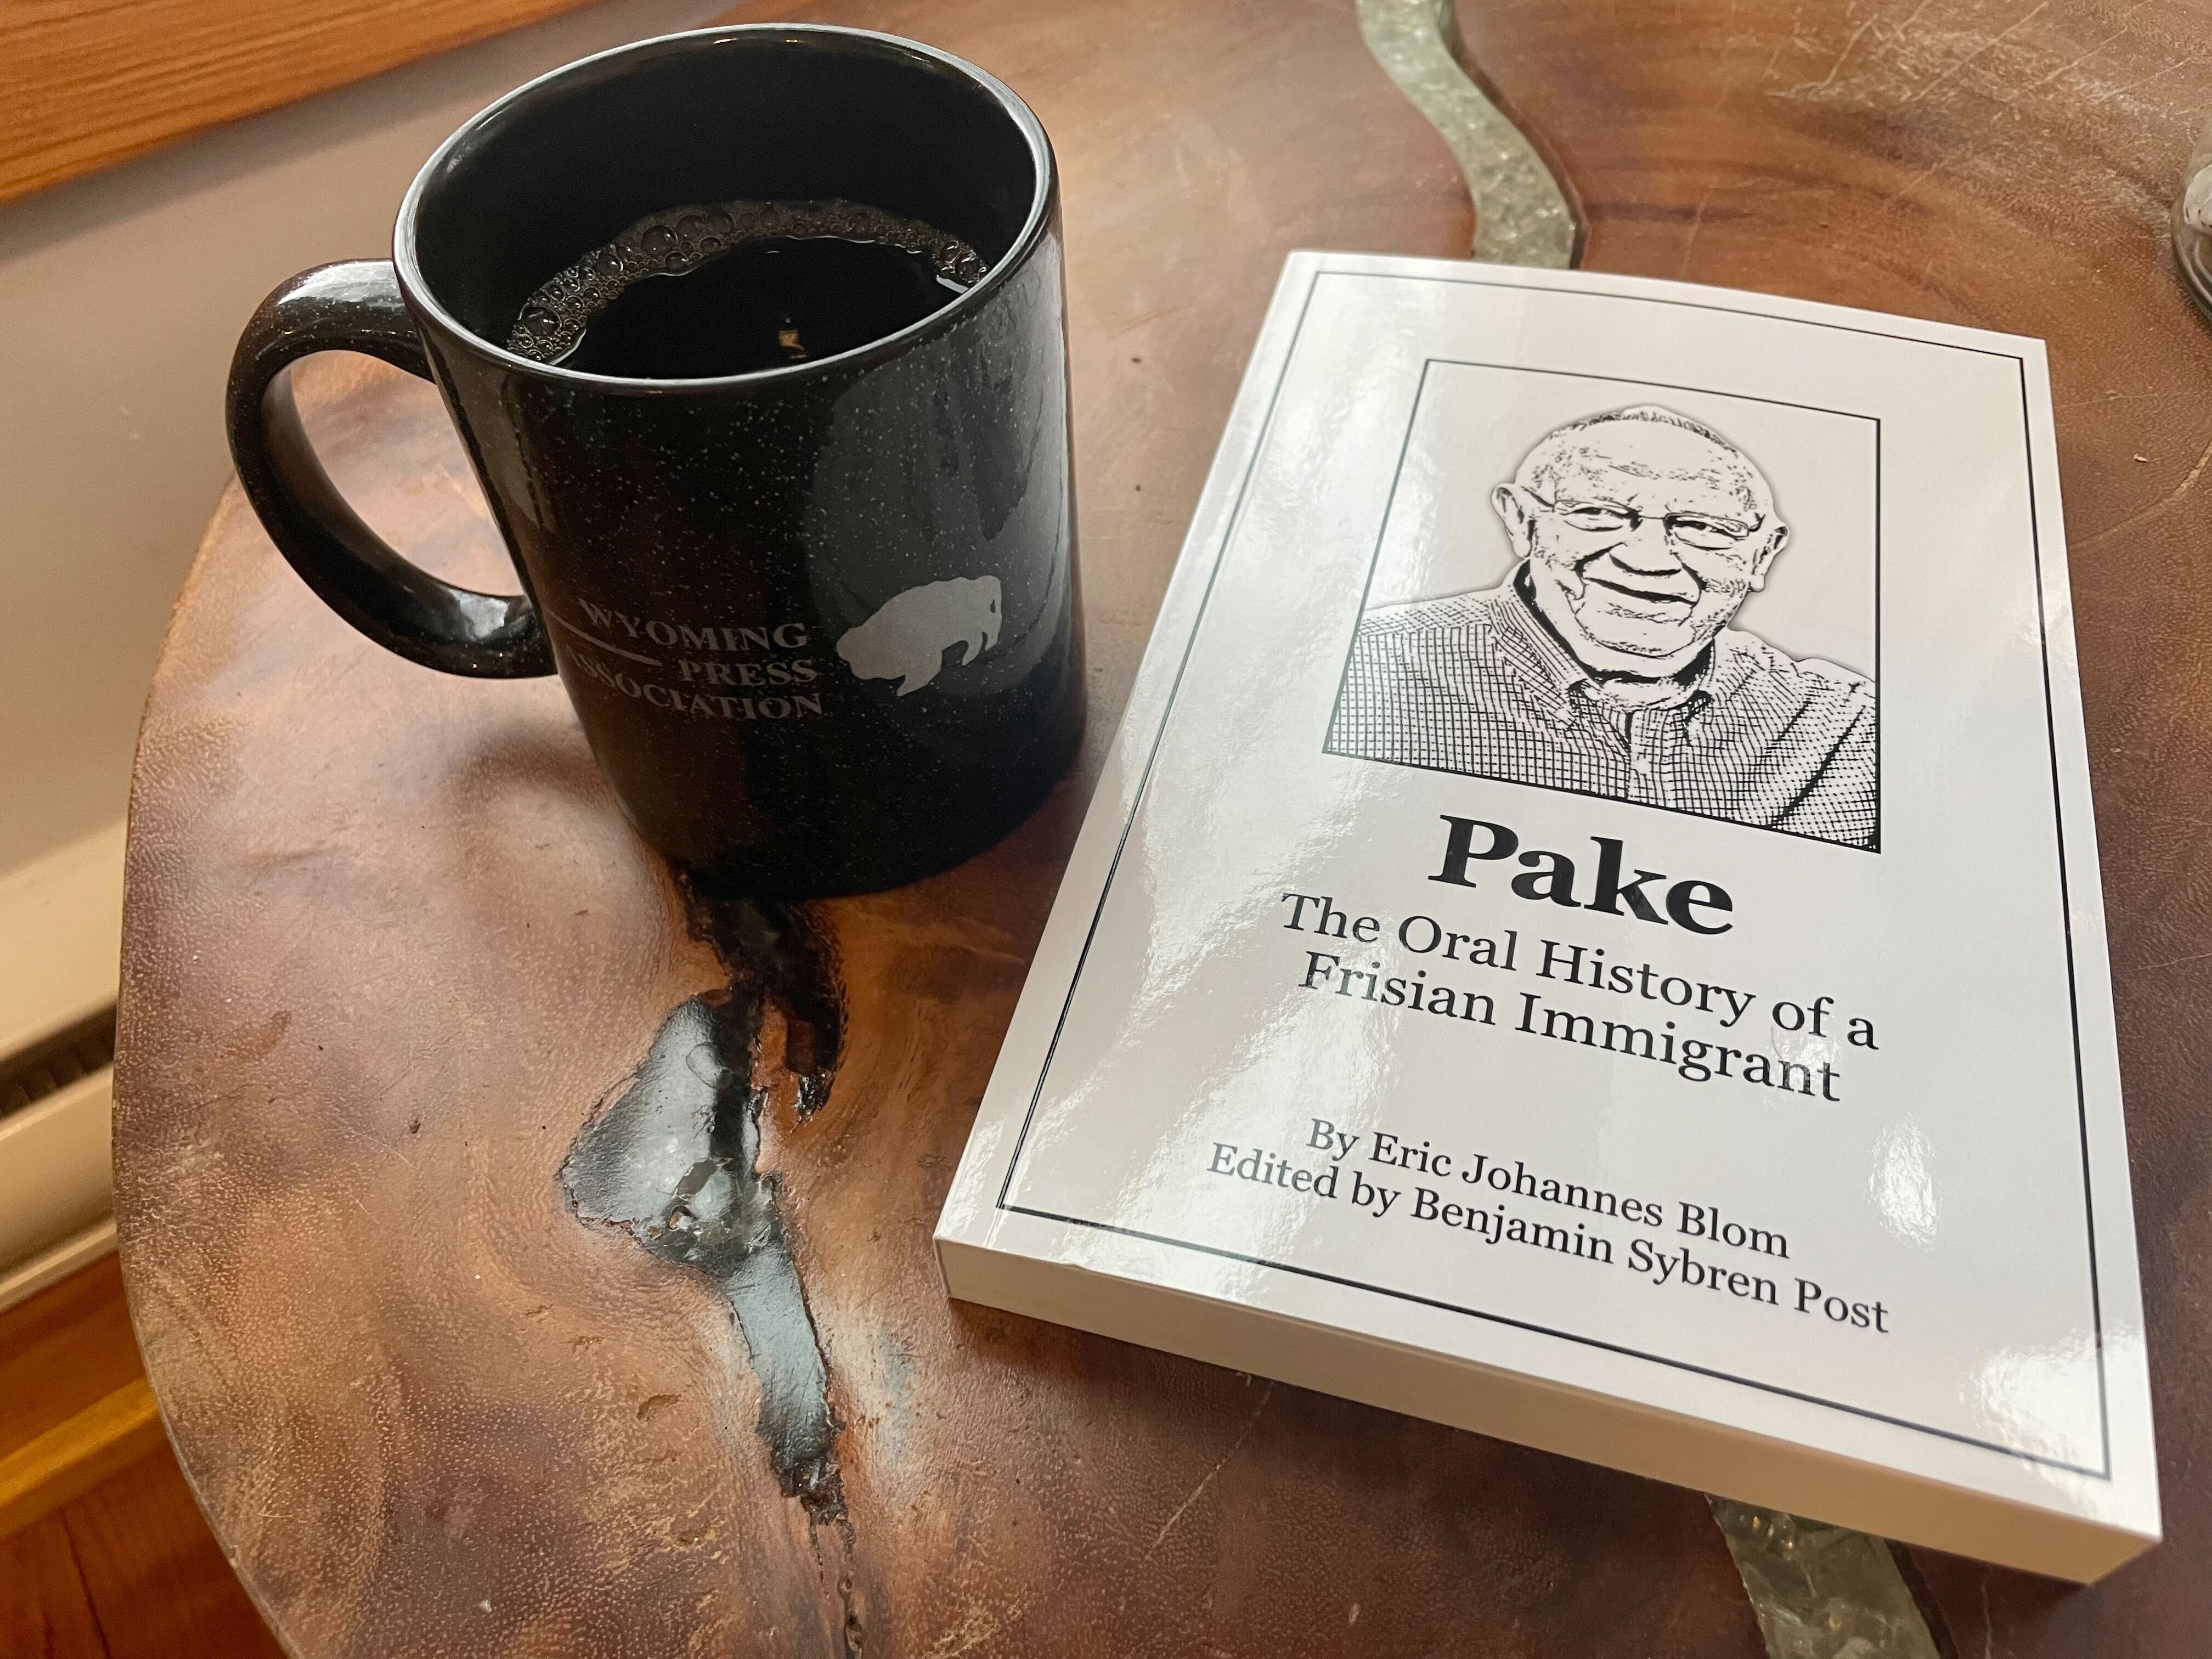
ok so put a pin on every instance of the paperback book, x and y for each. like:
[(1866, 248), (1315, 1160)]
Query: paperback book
[(1591, 931)]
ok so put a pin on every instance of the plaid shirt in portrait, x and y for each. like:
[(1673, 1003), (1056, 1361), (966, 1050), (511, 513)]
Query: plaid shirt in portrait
[(1477, 684)]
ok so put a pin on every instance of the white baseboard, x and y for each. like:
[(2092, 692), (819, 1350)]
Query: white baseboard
[(60, 920), (56, 1168), (51, 1265)]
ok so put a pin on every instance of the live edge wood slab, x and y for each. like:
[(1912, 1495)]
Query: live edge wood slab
[(390, 946)]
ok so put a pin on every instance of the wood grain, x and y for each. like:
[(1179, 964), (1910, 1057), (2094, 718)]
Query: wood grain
[(44, 1609), (129, 1569), (389, 945), (88, 84), (63, 1349), (64, 1355), (76, 1455), (155, 1576)]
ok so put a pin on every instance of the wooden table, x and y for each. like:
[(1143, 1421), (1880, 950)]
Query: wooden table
[(389, 945)]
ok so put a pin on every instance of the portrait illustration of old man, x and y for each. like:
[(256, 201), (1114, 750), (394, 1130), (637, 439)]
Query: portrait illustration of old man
[(1606, 663)]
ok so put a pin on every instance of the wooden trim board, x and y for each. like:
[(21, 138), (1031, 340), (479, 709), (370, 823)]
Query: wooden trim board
[(75, 1456), (89, 83)]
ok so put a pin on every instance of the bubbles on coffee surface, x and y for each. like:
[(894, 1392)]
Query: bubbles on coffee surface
[(762, 284)]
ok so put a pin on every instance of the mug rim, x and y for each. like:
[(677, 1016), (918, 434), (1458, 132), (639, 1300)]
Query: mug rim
[(419, 294)]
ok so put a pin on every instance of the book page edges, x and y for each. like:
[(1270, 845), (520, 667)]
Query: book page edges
[(1660, 1445)]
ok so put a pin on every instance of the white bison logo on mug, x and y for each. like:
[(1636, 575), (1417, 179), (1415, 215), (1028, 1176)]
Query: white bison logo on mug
[(906, 640)]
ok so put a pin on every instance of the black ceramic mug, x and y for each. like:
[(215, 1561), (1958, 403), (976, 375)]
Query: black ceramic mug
[(819, 622)]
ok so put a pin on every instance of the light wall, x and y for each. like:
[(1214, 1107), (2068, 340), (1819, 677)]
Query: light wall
[(120, 296)]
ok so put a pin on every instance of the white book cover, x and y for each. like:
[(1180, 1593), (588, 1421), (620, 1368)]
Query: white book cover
[(1591, 931)]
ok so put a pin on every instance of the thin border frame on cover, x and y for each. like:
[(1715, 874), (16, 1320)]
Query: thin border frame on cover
[(2065, 895)]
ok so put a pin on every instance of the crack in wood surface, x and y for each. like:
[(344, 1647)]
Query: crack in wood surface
[(672, 1160), (1822, 1592), (1521, 213)]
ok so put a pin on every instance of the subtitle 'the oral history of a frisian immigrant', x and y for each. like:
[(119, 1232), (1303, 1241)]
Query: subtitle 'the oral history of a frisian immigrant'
[(1591, 931)]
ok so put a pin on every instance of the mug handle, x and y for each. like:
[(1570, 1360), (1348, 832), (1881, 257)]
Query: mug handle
[(356, 306)]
